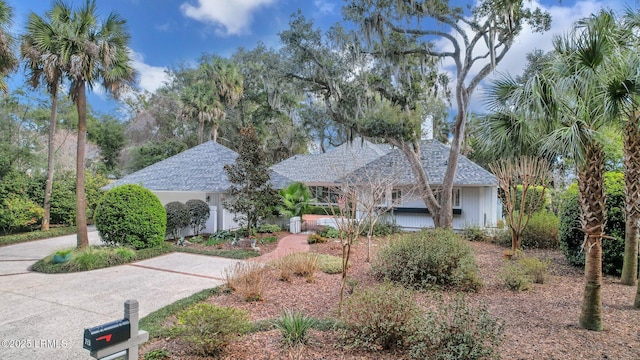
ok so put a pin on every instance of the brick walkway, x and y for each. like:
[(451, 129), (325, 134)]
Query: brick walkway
[(286, 245)]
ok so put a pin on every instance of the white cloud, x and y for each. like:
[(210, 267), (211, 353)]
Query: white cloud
[(324, 6), (150, 77), (230, 17)]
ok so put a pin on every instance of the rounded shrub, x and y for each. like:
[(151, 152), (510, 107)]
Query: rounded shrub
[(541, 231), (457, 330), (426, 259), (380, 317), (571, 237), (131, 215), (209, 328), (199, 213), (178, 218)]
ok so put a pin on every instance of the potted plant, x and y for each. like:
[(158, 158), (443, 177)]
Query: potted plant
[(62, 256)]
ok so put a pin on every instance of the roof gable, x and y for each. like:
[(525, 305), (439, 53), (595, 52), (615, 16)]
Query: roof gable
[(200, 168), (434, 157), (329, 167)]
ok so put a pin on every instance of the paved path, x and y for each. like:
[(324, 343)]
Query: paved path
[(43, 316)]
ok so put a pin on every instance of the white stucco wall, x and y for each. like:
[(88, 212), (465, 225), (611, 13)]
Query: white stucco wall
[(224, 219), (182, 196)]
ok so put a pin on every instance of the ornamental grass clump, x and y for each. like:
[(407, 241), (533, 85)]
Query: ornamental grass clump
[(248, 279), (300, 264), (294, 327)]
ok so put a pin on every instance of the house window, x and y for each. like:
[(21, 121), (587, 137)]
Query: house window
[(325, 195), (396, 197), (456, 200)]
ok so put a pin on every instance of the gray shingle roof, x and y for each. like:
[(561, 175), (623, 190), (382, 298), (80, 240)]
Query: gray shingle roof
[(434, 156), (200, 168), (332, 165)]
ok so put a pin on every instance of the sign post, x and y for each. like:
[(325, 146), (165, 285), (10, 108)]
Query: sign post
[(116, 339)]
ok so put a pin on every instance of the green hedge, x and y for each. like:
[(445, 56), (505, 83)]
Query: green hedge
[(541, 231), (36, 235), (571, 237)]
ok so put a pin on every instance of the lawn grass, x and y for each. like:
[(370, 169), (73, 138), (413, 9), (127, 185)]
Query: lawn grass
[(36, 235)]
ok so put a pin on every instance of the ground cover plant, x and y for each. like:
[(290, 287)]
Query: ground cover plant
[(532, 322)]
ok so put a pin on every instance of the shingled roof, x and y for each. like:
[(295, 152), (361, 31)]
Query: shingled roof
[(364, 159), (434, 156), (200, 168), (329, 167)]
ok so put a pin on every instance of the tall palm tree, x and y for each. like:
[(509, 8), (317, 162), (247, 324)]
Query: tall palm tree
[(215, 86), (569, 98), (624, 96), (40, 53), (8, 60), (578, 73), (92, 51), (199, 101), (229, 85)]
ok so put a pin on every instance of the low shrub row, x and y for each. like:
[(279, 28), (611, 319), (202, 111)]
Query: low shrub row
[(37, 235), (96, 257)]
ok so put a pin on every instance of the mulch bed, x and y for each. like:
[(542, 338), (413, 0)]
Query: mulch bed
[(540, 323)]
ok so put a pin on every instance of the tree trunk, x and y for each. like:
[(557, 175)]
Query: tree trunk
[(632, 201), (516, 239), (422, 181), (48, 188), (81, 219), (200, 130), (214, 133), (446, 206), (593, 218)]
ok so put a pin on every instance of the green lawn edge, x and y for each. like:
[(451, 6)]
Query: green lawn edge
[(36, 235), (46, 265)]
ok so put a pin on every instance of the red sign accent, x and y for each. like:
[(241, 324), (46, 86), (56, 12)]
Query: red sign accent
[(105, 337)]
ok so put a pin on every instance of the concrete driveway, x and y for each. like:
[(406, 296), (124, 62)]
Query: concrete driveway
[(43, 316)]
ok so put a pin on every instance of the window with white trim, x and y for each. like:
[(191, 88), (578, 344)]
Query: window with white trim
[(456, 200), (396, 197)]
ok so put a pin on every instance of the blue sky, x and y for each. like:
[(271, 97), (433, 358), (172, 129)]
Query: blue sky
[(166, 33)]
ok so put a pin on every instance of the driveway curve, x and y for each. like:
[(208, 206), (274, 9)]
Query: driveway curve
[(43, 316)]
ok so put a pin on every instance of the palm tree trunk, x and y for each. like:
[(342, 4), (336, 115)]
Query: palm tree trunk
[(50, 161), (214, 133), (81, 219), (632, 201), (593, 218), (200, 130)]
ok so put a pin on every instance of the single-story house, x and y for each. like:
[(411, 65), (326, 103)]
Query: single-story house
[(196, 173), (475, 192)]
